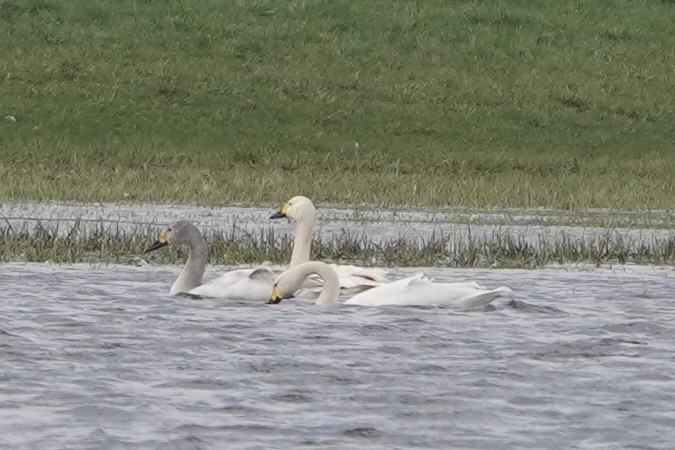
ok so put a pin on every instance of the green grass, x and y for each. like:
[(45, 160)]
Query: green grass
[(427, 103), (107, 244)]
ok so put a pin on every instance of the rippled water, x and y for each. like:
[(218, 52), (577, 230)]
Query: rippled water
[(101, 357)]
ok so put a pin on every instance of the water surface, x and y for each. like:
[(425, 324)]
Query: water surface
[(101, 357)]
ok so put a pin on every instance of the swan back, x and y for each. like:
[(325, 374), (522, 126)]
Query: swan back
[(419, 290), (243, 284)]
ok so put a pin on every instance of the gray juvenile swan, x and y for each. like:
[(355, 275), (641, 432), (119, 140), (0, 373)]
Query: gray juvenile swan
[(247, 284), (417, 290), (302, 211)]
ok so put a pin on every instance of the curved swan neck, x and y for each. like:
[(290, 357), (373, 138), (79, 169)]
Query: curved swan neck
[(193, 272), (331, 284), (302, 245)]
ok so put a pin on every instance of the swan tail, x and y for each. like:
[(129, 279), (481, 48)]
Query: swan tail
[(503, 291)]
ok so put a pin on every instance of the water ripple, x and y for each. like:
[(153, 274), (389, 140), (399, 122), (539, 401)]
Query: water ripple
[(101, 357)]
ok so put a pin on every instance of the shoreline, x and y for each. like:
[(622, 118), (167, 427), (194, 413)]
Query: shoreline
[(119, 232)]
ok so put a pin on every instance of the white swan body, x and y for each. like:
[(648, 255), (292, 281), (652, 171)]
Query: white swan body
[(245, 284), (417, 290), (351, 278)]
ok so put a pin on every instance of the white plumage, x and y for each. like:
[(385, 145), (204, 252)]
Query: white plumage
[(352, 279), (244, 284), (417, 290)]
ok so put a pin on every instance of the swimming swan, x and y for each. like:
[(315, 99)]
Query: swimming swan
[(247, 284), (417, 290), (302, 211)]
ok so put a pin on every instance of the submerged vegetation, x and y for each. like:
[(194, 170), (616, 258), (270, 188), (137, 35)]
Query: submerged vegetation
[(562, 104), (107, 244)]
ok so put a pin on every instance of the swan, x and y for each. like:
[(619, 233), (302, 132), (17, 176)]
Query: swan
[(417, 290), (302, 211), (247, 284)]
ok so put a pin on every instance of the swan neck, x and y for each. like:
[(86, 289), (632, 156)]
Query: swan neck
[(193, 272), (302, 245), (331, 284)]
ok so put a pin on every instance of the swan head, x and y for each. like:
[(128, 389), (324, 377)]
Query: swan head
[(282, 288), (277, 295), (178, 233), (298, 208)]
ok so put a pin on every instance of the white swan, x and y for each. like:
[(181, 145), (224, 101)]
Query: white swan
[(302, 211), (247, 284), (417, 290)]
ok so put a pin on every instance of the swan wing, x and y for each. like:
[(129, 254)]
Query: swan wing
[(263, 274), (370, 275), (421, 291), (352, 279), (357, 279), (376, 295), (245, 284)]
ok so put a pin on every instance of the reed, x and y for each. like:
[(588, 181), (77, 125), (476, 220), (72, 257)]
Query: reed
[(108, 243)]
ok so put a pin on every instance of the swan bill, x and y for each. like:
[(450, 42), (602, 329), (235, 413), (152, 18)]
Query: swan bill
[(155, 246), (162, 241), (275, 298), (283, 211)]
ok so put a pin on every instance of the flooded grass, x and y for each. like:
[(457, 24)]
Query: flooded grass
[(108, 243)]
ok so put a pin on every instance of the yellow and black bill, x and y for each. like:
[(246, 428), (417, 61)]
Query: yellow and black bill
[(159, 243), (281, 213), (275, 298)]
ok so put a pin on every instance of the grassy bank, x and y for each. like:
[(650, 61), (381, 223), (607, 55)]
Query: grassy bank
[(518, 103), (107, 244)]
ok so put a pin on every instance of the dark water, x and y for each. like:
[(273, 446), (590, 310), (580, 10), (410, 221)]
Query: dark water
[(101, 357)]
